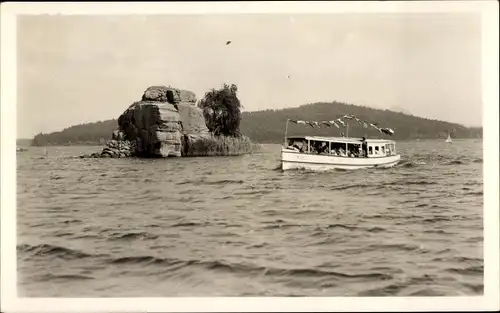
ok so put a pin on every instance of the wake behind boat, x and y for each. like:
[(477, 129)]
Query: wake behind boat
[(327, 153)]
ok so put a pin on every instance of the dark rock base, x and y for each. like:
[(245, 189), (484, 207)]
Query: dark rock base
[(115, 149)]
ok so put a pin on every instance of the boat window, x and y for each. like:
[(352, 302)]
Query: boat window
[(353, 150), (382, 150), (376, 150), (312, 144), (319, 147), (296, 144), (338, 148), (370, 150)]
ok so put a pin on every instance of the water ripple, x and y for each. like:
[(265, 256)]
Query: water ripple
[(241, 226)]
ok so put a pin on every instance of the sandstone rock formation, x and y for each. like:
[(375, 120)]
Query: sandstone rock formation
[(155, 127), (160, 122), (167, 122)]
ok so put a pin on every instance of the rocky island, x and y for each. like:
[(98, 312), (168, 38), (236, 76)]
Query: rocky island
[(167, 122)]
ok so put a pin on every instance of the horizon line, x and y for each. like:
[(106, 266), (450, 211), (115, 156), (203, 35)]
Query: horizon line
[(280, 109)]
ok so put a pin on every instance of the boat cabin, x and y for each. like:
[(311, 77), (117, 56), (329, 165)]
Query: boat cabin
[(342, 146)]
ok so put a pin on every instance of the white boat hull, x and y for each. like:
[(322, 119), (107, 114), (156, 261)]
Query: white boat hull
[(291, 160)]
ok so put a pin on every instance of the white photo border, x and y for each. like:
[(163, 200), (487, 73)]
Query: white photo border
[(490, 299)]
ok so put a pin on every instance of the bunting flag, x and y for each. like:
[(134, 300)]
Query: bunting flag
[(374, 126), (335, 124), (362, 123), (298, 122), (387, 131)]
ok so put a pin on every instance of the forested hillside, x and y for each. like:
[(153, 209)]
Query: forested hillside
[(268, 126), (83, 134)]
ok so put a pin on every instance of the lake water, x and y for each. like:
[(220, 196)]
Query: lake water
[(238, 226)]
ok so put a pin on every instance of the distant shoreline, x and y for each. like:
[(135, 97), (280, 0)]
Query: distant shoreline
[(268, 126), (97, 144)]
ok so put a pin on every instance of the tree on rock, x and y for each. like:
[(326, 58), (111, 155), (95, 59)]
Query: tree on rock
[(222, 111)]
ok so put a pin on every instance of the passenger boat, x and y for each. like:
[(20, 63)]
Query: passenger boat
[(327, 153)]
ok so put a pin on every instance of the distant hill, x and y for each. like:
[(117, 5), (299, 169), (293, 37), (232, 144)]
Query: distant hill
[(83, 134), (268, 126)]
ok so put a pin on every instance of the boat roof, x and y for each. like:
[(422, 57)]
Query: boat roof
[(341, 139)]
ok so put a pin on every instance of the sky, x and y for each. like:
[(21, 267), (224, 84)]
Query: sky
[(78, 69)]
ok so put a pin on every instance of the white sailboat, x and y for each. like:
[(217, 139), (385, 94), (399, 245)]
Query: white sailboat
[(448, 140)]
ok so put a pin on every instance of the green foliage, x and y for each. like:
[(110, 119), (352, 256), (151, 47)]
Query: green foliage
[(221, 146), (222, 111)]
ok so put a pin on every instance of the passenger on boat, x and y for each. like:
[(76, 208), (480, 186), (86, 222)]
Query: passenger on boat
[(322, 148), (303, 148), (364, 145), (317, 147), (292, 146)]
